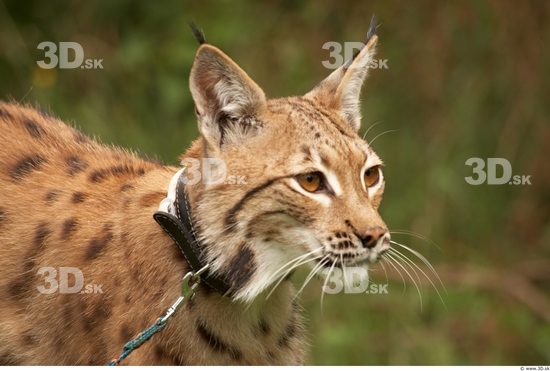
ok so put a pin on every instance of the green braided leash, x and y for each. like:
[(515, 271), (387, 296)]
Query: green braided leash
[(138, 340), (187, 293)]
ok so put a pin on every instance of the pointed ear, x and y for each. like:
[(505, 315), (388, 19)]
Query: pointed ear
[(341, 90), (227, 101)]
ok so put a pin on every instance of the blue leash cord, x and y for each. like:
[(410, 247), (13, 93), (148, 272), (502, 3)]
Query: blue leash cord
[(138, 340), (187, 293)]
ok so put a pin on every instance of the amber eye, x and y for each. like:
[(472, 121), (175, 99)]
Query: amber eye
[(371, 176), (311, 182)]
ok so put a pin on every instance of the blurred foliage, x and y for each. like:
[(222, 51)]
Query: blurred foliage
[(465, 79)]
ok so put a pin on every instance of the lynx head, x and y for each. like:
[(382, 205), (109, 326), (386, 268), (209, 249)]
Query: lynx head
[(309, 186)]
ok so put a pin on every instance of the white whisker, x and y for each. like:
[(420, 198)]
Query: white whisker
[(326, 281), (423, 259), (408, 274), (315, 269), (384, 269), (417, 235), (406, 258), (303, 256), (298, 261), (397, 270), (373, 125), (379, 135)]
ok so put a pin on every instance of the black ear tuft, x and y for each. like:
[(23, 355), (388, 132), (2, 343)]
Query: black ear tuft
[(370, 33), (199, 35), (372, 28)]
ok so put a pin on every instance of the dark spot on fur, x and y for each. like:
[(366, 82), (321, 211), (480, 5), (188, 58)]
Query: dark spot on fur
[(338, 235), (69, 226), (152, 199), (264, 328), (28, 337), (163, 357), (24, 283), (3, 214), (317, 135), (125, 187), (75, 165), (34, 129), (8, 359), (126, 203), (124, 235), (51, 196), (94, 309), (78, 197), (40, 235), (67, 312), (6, 114), (80, 137), (117, 170), (26, 165), (177, 360), (17, 288), (342, 131), (97, 244), (191, 303), (98, 175), (290, 332), (215, 343), (329, 239), (160, 353), (241, 267), (125, 334)]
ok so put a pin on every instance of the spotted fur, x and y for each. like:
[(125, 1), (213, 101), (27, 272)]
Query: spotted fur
[(68, 201)]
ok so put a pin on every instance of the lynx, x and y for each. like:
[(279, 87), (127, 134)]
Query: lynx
[(311, 195)]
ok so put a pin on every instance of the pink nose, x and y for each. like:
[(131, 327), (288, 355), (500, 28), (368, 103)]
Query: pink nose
[(372, 235)]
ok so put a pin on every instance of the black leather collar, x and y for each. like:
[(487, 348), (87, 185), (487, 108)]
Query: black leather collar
[(180, 228)]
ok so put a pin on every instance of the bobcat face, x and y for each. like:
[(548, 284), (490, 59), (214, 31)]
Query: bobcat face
[(313, 186)]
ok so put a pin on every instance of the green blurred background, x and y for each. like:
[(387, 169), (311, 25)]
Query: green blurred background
[(465, 79)]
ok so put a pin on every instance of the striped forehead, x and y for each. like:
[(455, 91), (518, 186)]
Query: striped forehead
[(333, 158), (340, 149)]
